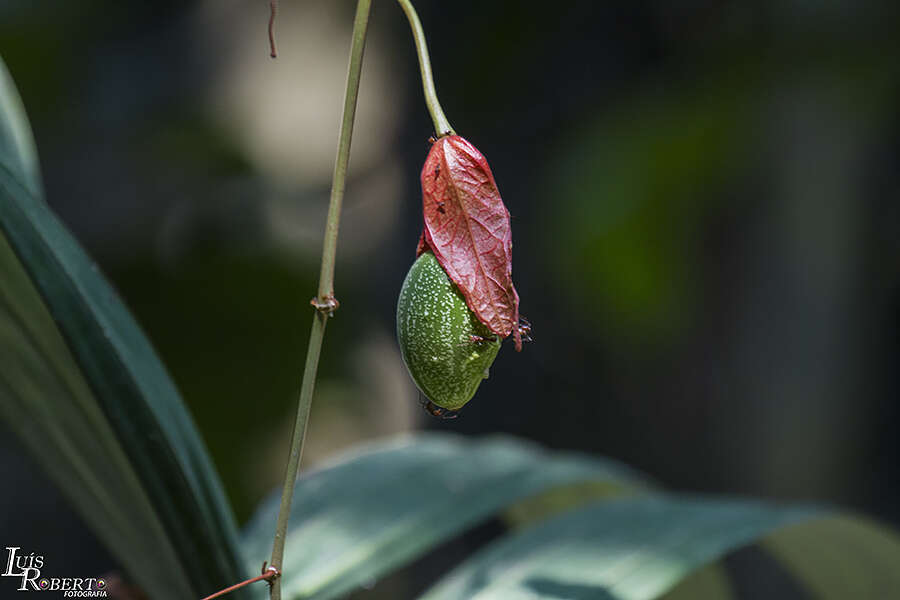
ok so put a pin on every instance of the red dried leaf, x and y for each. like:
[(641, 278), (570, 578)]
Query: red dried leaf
[(467, 228)]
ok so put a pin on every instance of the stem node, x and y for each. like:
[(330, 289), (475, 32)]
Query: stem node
[(326, 305), (271, 574), (268, 575)]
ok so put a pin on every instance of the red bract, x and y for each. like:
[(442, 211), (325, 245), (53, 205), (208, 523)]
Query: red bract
[(467, 228)]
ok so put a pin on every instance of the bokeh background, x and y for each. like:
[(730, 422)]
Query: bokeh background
[(705, 214)]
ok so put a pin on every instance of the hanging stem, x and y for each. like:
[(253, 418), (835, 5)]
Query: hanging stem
[(325, 301), (441, 124), (273, 10)]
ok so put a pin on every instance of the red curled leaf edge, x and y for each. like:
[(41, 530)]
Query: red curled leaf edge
[(467, 228)]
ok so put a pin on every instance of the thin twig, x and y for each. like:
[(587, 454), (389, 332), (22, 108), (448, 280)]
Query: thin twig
[(325, 302), (273, 10), (269, 575)]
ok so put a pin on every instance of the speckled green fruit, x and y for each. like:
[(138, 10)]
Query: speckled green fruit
[(447, 350)]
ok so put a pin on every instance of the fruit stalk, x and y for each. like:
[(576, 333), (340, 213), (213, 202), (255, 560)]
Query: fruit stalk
[(441, 124), (324, 302)]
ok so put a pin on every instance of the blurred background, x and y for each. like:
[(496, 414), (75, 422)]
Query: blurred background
[(705, 214)]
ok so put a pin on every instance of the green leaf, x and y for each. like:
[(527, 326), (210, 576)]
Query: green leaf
[(16, 144), (840, 556), (644, 547), (634, 549), (83, 389), (711, 582), (369, 512)]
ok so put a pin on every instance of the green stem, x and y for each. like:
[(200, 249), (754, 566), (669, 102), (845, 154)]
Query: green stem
[(329, 246), (441, 124), (325, 302)]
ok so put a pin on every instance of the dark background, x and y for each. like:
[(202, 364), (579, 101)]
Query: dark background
[(705, 216)]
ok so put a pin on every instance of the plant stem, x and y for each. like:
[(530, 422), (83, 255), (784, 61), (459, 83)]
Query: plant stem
[(268, 576), (329, 246), (441, 124), (325, 302), (273, 10)]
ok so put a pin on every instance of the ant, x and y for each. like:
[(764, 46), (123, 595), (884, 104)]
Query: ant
[(478, 339), (524, 332), (436, 411), (433, 138), (525, 329)]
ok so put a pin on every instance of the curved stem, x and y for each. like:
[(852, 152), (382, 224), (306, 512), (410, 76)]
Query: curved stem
[(324, 302), (441, 124)]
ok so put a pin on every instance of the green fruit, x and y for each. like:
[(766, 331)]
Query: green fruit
[(447, 350)]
